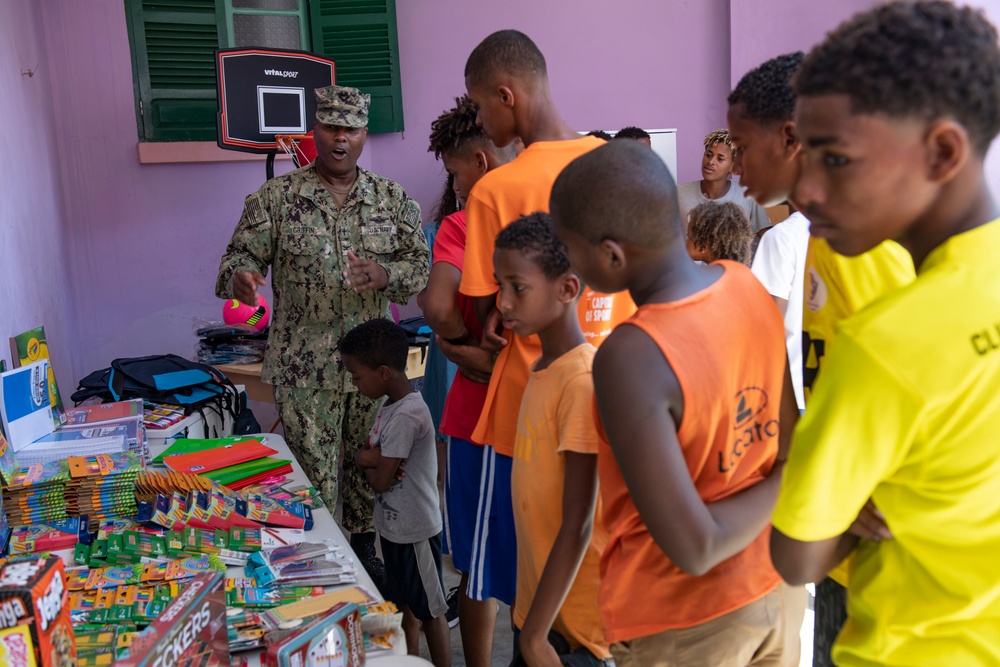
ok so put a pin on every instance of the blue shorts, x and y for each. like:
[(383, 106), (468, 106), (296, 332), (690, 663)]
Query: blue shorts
[(461, 498), (493, 565)]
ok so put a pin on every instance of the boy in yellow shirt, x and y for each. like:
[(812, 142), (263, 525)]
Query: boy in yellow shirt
[(554, 473), (896, 110), (767, 158)]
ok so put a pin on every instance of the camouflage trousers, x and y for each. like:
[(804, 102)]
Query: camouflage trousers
[(320, 426)]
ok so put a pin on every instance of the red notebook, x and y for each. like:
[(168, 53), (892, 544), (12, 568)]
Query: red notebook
[(219, 457), (257, 479)]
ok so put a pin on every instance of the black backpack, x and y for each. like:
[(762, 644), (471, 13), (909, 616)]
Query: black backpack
[(163, 378), (417, 331)]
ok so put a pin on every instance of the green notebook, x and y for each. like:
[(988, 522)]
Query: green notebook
[(242, 471), (192, 445)]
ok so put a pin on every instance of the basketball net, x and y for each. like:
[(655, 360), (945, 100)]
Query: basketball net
[(300, 147)]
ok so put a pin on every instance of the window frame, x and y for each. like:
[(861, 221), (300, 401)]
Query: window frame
[(229, 12)]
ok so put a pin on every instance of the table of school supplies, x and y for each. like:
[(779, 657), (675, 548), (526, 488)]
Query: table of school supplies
[(324, 528)]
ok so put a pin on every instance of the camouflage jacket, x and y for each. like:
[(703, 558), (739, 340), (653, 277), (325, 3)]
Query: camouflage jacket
[(293, 225)]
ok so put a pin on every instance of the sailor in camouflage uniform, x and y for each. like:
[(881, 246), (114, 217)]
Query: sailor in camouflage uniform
[(342, 243)]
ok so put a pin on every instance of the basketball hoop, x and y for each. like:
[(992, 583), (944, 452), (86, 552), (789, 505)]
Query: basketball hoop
[(300, 147)]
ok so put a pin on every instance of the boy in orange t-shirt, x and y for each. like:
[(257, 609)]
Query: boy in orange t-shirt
[(690, 467), (506, 78), (554, 475)]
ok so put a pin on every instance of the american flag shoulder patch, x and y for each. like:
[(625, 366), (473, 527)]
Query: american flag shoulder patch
[(255, 210)]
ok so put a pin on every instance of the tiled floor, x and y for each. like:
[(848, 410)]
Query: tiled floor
[(503, 637)]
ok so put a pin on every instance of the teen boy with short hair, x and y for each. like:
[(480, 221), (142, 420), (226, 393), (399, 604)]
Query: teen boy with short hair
[(636, 134), (813, 286), (690, 406), (767, 160), (506, 78), (896, 110)]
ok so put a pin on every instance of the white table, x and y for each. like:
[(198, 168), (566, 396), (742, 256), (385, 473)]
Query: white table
[(324, 528)]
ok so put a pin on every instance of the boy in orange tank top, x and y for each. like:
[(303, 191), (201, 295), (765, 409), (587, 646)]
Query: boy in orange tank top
[(688, 392)]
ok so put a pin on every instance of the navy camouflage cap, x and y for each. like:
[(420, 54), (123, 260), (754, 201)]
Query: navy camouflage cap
[(342, 105)]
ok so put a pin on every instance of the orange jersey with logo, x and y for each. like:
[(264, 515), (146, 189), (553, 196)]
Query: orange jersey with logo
[(499, 198), (726, 345)]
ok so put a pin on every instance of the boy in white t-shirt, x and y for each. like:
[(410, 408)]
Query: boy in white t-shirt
[(780, 264)]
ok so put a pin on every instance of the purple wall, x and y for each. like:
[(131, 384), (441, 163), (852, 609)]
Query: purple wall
[(992, 9), (763, 29), (34, 283), (144, 240), (129, 252)]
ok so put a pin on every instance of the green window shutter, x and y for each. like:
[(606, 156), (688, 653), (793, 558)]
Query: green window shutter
[(360, 36), (173, 60)]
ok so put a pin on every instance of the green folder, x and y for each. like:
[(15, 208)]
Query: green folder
[(241, 471), (192, 445)]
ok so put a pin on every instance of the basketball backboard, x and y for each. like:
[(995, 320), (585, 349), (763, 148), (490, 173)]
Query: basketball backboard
[(264, 92)]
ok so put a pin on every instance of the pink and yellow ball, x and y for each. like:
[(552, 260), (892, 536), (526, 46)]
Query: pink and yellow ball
[(236, 312)]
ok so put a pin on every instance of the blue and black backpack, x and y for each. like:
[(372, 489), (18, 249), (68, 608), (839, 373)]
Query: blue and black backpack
[(163, 378)]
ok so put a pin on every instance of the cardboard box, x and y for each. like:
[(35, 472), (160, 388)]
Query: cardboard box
[(191, 630), (35, 626), (332, 640), (192, 426)]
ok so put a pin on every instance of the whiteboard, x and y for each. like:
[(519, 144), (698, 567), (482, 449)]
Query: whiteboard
[(664, 144)]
